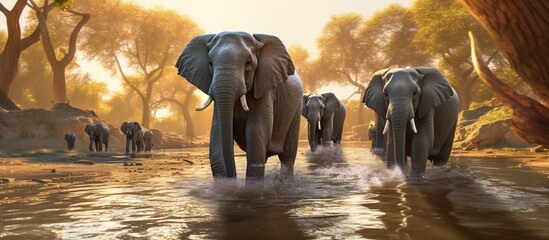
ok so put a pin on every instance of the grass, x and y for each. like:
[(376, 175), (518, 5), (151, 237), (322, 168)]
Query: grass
[(496, 114)]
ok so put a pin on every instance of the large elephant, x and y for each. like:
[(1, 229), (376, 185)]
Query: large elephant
[(99, 134), (70, 138), (148, 140), (420, 110), (325, 114), (131, 131), (257, 98)]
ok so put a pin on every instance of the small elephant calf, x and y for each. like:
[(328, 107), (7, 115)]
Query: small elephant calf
[(99, 134), (70, 138), (148, 140), (325, 114)]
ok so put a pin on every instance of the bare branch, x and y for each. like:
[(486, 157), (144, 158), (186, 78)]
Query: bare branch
[(126, 79), (74, 36)]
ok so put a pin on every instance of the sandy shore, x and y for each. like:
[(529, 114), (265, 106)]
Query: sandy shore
[(47, 166)]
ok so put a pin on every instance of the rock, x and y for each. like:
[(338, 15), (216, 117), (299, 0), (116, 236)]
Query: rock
[(45, 181), (85, 162), (539, 148), (7, 180), (486, 127)]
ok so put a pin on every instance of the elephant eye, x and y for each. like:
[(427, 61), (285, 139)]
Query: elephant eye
[(248, 62), (386, 94)]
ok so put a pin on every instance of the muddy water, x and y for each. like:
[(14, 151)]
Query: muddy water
[(344, 194)]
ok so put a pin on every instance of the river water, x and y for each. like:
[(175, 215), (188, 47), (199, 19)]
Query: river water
[(346, 194)]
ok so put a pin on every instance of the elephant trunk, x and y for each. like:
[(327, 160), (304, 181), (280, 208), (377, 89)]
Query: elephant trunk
[(314, 124), (225, 100), (91, 143), (399, 119)]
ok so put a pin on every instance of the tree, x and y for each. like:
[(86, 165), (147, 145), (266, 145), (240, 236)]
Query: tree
[(180, 96), (146, 41), (304, 66), (14, 45), (352, 49), (524, 42), (58, 66), (443, 27)]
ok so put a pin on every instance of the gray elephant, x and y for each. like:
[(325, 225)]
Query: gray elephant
[(420, 110), (139, 140), (257, 98), (99, 134), (131, 131), (325, 114), (148, 140), (70, 138), (372, 135)]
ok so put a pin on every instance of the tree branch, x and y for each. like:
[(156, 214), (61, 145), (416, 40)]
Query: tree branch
[(126, 79), (351, 80), (4, 10), (31, 39), (74, 36)]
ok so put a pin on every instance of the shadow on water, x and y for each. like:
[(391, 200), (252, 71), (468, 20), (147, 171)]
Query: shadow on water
[(336, 194)]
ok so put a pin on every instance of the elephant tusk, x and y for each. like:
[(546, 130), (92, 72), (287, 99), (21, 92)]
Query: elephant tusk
[(306, 124), (205, 104), (319, 128), (386, 128), (413, 123), (244, 103)]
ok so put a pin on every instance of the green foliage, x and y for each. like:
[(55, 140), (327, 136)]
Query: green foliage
[(63, 4), (496, 114)]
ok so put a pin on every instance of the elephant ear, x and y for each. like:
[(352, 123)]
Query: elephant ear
[(123, 127), (137, 127), (193, 64), (331, 104), (88, 129), (304, 110), (274, 64), (435, 90), (373, 96)]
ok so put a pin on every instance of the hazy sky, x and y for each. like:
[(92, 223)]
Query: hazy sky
[(293, 21)]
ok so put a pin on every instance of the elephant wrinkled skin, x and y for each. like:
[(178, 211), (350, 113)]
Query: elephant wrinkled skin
[(99, 134), (70, 138), (131, 130), (420, 110), (257, 97), (325, 114)]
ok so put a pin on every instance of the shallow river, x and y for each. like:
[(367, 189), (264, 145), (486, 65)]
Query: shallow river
[(335, 195)]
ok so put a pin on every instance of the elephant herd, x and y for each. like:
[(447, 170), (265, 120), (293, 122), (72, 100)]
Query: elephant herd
[(139, 138), (259, 98)]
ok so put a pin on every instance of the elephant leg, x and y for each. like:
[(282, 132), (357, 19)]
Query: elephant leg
[(216, 155), (258, 135), (444, 154), (420, 153), (287, 157), (327, 131), (127, 145), (100, 143), (106, 145), (339, 120), (390, 148)]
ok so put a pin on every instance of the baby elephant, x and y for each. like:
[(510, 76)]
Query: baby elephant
[(326, 116), (70, 138), (99, 134), (148, 140)]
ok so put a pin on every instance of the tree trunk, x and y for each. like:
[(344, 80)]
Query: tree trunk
[(189, 125), (59, 85), (146, 116), (520, 29), (9, 57), (6, 103)]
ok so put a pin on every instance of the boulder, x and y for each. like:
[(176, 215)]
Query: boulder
[(486, 127)]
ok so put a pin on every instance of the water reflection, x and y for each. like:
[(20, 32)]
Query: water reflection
[(336, 194)]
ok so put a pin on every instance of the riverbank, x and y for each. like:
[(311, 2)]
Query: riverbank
[(47, 166)]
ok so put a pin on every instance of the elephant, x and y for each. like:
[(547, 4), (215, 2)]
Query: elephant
[(139, 140), (70, 138), (99, 134), (420, 110), (131, 131), (148, 140), (372, 135), (257, 95), (325, 114)]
